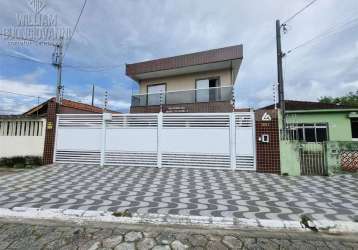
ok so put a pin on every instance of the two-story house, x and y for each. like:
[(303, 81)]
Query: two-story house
[(197, 82)]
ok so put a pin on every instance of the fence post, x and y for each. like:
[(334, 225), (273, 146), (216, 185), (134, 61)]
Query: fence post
[(232, 141), (159, 139), (105, 117), (103, 144)]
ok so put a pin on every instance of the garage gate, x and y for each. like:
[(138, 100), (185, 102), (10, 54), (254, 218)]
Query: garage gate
[(199, 140)]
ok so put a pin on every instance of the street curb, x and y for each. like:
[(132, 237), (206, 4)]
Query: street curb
[(82, 217)]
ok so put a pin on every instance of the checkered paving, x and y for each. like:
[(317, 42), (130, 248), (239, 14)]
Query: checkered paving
[(199, 192)]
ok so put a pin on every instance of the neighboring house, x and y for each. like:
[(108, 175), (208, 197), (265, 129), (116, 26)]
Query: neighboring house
[(320, 138), (318, 122), (33, 132), (21, 135), (197, 82)]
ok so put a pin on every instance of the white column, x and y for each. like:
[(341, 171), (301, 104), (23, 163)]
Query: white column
[(232, 141), (159, 139), (103, 143)]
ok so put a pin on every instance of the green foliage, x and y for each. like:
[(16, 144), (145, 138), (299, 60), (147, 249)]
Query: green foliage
[(351, 99), (21, 162), (125, 213)]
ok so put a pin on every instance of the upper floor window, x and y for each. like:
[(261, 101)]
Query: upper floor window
[(207, 89), (156, 94), (354, 126)]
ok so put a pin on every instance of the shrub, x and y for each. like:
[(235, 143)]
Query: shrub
[(21, 161)]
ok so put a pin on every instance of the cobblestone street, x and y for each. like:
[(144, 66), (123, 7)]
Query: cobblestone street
[(50, 235)]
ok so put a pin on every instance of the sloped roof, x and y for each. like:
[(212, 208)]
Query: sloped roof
[(306, 105), (66, 103)]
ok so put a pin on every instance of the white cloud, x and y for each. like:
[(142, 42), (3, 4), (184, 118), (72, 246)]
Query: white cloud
[(115, 32)]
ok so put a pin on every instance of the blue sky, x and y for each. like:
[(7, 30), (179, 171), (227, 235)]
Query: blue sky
[(114, 32)]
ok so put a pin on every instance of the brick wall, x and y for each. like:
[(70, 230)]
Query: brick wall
[(50, 133), (267, 154), (204, 107)]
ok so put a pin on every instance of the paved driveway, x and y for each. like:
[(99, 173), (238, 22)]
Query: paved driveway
[(182, 191)]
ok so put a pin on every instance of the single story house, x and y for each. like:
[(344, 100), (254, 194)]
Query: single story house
[(33, 132), (320, 138), (318, 122)]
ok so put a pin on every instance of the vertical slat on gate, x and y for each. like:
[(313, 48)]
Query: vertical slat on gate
[(232, 141), (103, 144), (159, 139)]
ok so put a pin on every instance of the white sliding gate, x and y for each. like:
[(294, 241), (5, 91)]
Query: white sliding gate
[(201, 140)]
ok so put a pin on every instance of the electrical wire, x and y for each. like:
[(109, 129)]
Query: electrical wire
[(25, 58), (75, 28), (330, 31), (75, 67), (298, 12), (15, 93)]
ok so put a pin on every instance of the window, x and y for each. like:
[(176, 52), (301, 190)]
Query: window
[(316, 132), (354, 126), (156, 93), (207, 90)]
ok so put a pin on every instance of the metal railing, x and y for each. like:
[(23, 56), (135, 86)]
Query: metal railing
[(215, 94)]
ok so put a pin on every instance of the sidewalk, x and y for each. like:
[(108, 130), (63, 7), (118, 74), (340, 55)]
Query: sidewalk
[(44, 234)]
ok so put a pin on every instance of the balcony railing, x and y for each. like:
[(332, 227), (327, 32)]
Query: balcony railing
[(215, 94)]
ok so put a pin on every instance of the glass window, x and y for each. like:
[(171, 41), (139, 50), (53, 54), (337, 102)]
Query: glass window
[(354, 125), (310, 134), (156, 94), (321, 134)]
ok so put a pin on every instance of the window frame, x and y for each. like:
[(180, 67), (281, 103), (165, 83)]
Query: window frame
[(156, 84), (206, 78), (315, 126)]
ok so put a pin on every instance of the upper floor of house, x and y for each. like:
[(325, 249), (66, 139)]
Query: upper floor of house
[(200, 78)]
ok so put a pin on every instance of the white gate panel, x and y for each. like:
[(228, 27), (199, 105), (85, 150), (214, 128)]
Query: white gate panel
[(205, 140), (79, 139), (245, 141), (135, 139), (196, 141)]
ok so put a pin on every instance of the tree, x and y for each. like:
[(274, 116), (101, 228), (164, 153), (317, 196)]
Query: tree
[(351, 99)]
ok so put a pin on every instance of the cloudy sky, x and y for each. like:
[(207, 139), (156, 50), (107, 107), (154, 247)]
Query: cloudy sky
[(114, 32)]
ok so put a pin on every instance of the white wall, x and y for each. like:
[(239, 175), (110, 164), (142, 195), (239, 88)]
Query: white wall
[(23, 137)]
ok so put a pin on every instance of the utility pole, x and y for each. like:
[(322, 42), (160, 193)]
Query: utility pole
[(280, 55), (57, 58), (92, 95)]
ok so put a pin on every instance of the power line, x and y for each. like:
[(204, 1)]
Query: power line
[(25, 58), (299, 12), (15, 93), (84, 68), (328, 32), (75, 28)]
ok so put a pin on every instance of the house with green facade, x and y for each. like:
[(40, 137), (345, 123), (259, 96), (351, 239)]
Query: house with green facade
[(320, 138)]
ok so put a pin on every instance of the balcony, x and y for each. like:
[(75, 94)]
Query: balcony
[(214, 94)]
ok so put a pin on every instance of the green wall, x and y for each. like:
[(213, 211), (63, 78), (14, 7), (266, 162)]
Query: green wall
[(289, 158), (339, 125)]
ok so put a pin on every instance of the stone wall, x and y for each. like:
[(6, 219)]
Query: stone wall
[(342, 156)]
